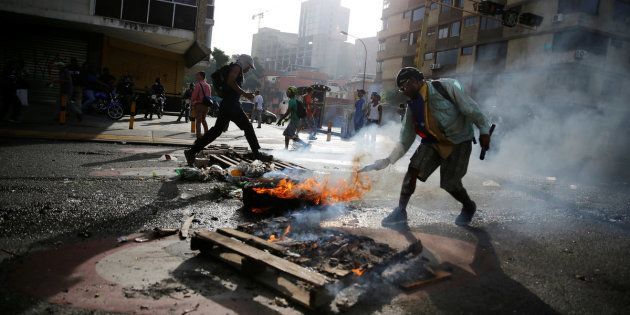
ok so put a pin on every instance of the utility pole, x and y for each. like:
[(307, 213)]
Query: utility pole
[(365, 57), (259, 16)]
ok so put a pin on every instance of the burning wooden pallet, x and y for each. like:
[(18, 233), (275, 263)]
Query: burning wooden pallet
[(227, 156), (303, 269)]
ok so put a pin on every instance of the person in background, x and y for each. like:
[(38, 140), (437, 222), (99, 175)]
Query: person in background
[(283, 110), (66, 90), (77, 82), (9, 85), (375, 110), (107, 80), (231, 110), (258, 108), (185, 112), (359, 111), (310, 113), (201, 90), (291, 132)]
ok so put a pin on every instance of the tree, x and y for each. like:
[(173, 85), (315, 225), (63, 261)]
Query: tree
[(219, 59), (253, 78)]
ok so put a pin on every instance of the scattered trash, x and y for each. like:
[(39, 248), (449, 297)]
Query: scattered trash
[(122, 239), (168, 157), (236, 194), (141, 239), (281, 302), (144, 307), (191, 310), (551, 178), (162, 232), (573, 187), (490, 183), (211, 173), (184, 231), (96, 295)]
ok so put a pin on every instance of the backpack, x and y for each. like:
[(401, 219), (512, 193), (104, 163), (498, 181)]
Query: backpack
[(301, 109), (206, 100), (440, 88), (219, 79)]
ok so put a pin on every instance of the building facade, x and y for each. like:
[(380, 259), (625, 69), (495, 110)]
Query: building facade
[(581, 44), (275, 50), (145, 38)]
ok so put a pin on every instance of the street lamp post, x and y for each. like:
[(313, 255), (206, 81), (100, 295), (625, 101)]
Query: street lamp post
[(365, 57)]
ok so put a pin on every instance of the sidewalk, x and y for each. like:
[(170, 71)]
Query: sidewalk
[(40, 122)]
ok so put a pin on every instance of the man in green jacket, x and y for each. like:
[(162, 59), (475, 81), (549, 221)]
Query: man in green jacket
[(443, 116)]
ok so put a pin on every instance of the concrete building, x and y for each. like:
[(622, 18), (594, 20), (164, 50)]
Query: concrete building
[(275, 50), (371, 43), (320, 44), (581, 45), (147, 39)]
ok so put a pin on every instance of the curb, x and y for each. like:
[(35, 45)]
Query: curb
[(97, 137)]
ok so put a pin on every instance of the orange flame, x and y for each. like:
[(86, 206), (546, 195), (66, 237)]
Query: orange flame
[(272, 238), (286, 231), (358, 271), (322, 192)]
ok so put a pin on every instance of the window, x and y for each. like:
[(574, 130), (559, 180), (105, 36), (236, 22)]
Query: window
[(108, 8), (408, 61), (379, 66), (447, 57), (581, 6), (430, 31), (418, 14), (381, 46), (455, 28), (428, 56), (491, 52), (210, 12), (466, 51), (470, 21), (489, 23), (458, 3), (404, 37), (406, 14), (161, 13), (446, 8), (434, 6), (385, 24), (413, 38), (185, 17), (443, 31), (386, 4), (592, 42)]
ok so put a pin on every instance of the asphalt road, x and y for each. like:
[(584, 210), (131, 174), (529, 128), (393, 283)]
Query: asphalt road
[(542, 246)]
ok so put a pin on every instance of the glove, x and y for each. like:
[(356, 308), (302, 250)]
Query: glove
[(376, 166)]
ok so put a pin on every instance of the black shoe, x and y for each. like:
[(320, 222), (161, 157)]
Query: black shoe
[(396, 219), (466, 215), (190, 157), (263, 157)]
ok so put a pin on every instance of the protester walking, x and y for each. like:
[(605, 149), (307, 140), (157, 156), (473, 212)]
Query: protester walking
[(201, 91), (291, 132), (310, 113), (77, 83), (230, 109), (186, 103), (66, 91), (258, 108)]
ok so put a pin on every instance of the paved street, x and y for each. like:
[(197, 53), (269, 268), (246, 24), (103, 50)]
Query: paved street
[(538, 245)]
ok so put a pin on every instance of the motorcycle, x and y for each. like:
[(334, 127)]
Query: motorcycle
[(109, 103), (156, 106)]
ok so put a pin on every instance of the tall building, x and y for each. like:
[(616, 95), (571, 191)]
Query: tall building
[(371, 45), (275, 50), (145, 38), (321, 46), (581, 44)]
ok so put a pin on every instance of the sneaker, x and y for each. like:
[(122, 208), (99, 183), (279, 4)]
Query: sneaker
[(396, 219), (190, 157), (466, 215)]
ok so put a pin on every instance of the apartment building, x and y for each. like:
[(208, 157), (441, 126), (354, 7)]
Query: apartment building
[(145, 38), (276, 50), (581, 44)]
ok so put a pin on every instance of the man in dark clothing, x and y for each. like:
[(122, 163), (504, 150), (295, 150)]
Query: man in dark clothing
[(230, 110), (77, 82), (157, 88), (107, 79), (185, 111), (9, 99)]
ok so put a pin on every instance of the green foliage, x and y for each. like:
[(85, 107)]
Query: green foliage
[(253, 79)]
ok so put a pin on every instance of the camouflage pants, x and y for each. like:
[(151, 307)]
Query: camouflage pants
[(452, 169)]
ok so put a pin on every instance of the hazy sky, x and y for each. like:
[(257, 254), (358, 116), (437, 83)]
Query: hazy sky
[(234, 26)]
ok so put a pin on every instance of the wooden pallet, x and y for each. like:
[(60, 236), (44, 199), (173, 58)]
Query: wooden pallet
[(227, 156), (301, 285)]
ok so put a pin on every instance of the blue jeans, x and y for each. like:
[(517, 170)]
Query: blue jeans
[(89, 99)]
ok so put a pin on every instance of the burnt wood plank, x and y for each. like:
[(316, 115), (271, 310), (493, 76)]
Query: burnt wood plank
[(268, 259), (184, 231), (222, 159), (253, 240), (438, 275)]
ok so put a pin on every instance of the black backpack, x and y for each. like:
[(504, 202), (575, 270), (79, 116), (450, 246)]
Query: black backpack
[(301, 109), (219, 79)]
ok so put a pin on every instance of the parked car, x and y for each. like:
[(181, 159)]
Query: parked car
[(267, 117)]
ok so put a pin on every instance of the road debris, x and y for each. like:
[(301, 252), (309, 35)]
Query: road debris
[(184, 231)]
